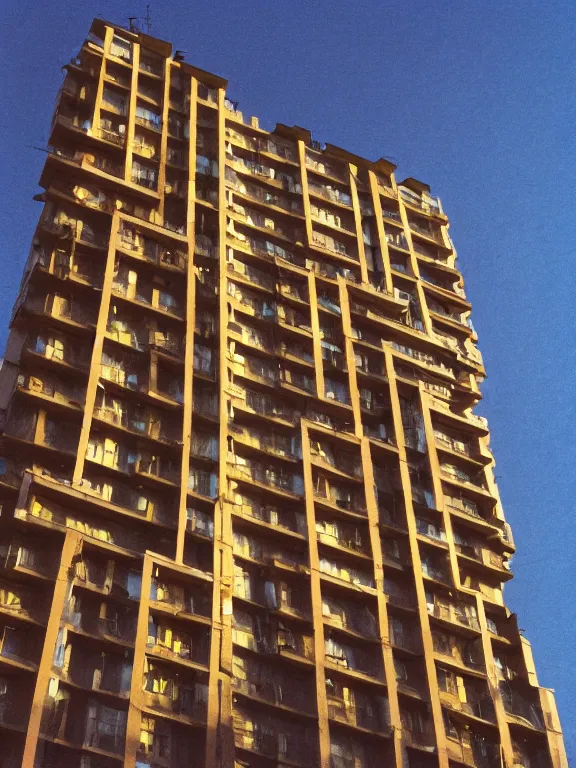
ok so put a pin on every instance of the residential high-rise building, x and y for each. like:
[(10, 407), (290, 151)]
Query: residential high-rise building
[(249, 518)]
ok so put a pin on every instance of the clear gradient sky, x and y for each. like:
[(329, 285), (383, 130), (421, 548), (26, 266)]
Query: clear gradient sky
[(475, 98)]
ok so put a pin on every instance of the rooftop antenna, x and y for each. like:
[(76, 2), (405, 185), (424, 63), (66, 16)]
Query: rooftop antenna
[(148, 20)]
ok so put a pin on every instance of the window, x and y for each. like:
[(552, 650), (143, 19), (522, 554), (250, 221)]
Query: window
[(155, 738), (121, 48), (447, 681)]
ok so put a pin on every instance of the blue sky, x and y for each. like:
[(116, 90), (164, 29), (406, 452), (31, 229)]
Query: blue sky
[(474, 98)]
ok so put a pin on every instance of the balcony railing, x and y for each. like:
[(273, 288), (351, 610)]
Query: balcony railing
[(454, 613)]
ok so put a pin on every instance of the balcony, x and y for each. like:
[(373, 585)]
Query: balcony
[(266, 405), (268, 553), (119, 625), (338, 534), (347, 499), (175, 642), (142, 421), (435, 569), (173, 693), (275, 739), (398, 595), (14, 705), (274, 477), (520, 709), (20, 602), (463, 653), (257, 680), (281, 517), (95, 670), (347, 615), (429, 232), (30, 559), (353, 658), (356, 708), (424, 202), (151, 65), (142, 247), (462, 614), (276, 638), (471, 749), (333, 194), (20, 646), (274, 595), (329, 456), (180, 598), (344, 573), (274, 443), (203, 483)]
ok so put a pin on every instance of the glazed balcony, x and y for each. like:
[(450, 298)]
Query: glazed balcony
[(273, 594), (278, 740), (352, 616), (463, 614), (31, 559), (171, 692), (275, 637), (176, 642), (263, 195), (143, 247), (331, 456), (347, 498), (265, 405), (333, 194), (190, 599), (335, 533), (473, 751), (21, 602), (521, 709), (82, 611), (272, 476), (287, 518), (357, 709), (67, 309), (268, 553), (424, 202), (142, 421), (353, 658), (96, 670), (342, 572), (20, 646), (256, 679), (271, 442)]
